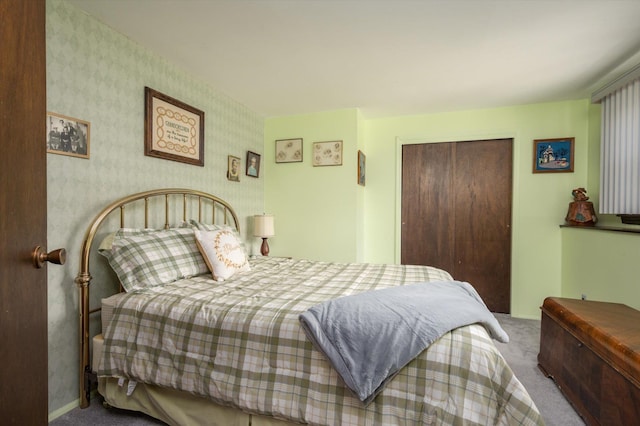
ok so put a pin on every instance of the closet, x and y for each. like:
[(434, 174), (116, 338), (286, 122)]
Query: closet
[(456, 213)]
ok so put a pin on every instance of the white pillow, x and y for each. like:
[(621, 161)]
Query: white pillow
[(223, 252)]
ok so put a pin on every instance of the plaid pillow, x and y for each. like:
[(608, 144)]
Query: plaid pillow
[(156, 258), (107, 242)]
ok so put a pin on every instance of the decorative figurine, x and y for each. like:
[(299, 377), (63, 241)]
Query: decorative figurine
[(581, 211)]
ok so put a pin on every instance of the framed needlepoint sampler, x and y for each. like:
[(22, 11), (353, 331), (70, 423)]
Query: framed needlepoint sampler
[(173, 130)]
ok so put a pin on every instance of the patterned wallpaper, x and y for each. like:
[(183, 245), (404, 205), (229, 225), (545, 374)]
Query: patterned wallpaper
[(98, 75)]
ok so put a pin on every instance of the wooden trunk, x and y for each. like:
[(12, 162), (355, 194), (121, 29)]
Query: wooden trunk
[(592, 351)]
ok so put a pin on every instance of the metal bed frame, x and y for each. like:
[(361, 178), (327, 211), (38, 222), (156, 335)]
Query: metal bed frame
[(194, 203)]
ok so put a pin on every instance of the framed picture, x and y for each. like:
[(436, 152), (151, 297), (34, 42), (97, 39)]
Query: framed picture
[(173, 130), (67, 135), (253, 164), (361, 167), (327, 153), (553, 155), (233, 168), (289, 150)]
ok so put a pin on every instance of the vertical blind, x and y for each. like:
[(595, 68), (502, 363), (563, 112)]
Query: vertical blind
[(620, 151)]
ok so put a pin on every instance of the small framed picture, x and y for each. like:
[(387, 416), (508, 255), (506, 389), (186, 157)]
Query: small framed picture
[(233, 168), (289, 150), (253, 164), (327, 153), (67, 135), (553, 155), (361, 168)]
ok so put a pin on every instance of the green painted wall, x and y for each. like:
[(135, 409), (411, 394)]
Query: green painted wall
[(98, 75), (546, 260), (318, 210), (539, 200), (603, 265)]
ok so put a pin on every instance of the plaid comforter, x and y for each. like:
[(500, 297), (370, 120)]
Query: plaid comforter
[(240, 343)]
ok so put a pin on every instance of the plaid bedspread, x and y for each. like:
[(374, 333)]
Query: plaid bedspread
[(240, 343)]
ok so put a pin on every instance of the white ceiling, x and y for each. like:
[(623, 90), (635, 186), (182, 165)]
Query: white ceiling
[(282, 57)]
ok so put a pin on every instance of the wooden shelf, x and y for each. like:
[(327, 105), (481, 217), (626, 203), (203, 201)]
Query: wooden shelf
[(605, 228)]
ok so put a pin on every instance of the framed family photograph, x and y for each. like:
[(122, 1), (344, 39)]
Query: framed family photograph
[(289, 150), (67, 135), (173, 130), (233, 168), (253, 164), (327, 153), (553, 155), (361, 168)]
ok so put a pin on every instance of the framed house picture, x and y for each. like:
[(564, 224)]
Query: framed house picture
[(67, 135), (553, 155), (173, 130), (327, 153), (253, 164), (289, 150)]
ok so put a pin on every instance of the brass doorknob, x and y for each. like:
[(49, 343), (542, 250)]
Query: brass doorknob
[(40, 256)]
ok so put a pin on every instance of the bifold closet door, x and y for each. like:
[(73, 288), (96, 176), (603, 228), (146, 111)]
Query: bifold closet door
[(456, 213)]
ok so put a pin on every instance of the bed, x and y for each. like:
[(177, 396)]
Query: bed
[(186, 348)]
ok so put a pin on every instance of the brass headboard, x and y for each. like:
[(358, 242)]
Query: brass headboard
[(195, 205)]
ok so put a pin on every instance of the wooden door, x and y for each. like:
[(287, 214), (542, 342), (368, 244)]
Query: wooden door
[(23, 209), (428, 228), (456, 213)]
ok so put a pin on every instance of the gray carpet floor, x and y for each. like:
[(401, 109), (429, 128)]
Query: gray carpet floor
[(521, 353)]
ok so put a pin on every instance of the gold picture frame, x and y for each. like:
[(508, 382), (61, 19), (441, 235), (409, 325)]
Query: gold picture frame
[(173, 130), (233, 168), (68, 136), (327, 153)]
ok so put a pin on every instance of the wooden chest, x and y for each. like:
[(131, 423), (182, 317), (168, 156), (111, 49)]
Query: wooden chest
[(592, 351)]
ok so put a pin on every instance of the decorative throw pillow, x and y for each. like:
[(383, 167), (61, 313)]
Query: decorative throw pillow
[(156, 258), (215, 227), (223, 252)]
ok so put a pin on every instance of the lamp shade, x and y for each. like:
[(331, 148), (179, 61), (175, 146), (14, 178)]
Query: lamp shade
[(263, 226)]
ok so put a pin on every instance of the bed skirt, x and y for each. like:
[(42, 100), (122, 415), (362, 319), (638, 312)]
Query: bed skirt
[(179, 408), (175, 407)]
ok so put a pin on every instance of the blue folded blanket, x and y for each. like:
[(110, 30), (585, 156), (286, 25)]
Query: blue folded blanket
[(370, 336)]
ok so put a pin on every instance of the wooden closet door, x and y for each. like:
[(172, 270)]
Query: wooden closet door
[(456, 213), (483, 219), (427, 225)]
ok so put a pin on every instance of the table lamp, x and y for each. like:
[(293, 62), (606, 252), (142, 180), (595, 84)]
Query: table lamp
[(263, 228)]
